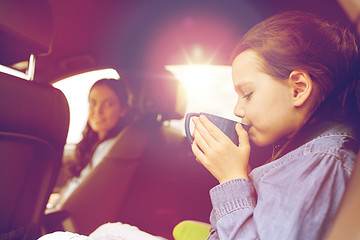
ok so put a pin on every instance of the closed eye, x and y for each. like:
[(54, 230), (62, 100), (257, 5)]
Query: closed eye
[(247, 95)]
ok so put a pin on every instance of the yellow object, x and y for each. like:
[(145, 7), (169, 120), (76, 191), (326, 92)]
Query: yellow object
[(191, 230)]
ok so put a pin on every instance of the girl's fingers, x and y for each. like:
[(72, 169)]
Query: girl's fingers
[(214, 134), (198, 152), (200, 141), (243, 137), (202, 134), (216, 152)]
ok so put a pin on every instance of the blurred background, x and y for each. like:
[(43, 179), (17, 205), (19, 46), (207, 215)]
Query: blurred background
[(138, 40)]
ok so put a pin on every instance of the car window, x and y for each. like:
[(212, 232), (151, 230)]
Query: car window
[(209, 88)]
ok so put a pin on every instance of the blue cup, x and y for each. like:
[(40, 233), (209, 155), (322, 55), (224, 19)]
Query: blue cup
[(227, 126)]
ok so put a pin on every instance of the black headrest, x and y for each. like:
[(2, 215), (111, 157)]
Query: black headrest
[(165, 96), (33, 109), (25, 28)]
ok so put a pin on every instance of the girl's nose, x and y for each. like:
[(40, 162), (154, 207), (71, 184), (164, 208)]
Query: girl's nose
[(239, 109)]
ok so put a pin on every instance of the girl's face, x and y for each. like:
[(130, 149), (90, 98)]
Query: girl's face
[(104, 110), (264, 103)]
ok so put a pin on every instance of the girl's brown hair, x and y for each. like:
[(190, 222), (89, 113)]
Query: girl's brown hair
[(329, 53)]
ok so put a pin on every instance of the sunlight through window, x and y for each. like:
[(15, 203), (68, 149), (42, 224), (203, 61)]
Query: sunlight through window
[(209, 89)]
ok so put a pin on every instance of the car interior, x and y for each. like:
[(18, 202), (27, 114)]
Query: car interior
[(148, 176)]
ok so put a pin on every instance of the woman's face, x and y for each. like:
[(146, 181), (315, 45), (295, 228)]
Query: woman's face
[(104, 110), (264, 103)]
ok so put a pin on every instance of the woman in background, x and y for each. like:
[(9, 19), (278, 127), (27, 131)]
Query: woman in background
[(109, 113)]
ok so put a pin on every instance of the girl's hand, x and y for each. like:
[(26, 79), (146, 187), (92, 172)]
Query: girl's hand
[(223, 159)]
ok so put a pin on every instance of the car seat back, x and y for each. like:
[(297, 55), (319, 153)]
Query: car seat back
[(34, 121)]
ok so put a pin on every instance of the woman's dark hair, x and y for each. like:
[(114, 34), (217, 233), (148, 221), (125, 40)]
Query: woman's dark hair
[(329, 53), (86, 147)]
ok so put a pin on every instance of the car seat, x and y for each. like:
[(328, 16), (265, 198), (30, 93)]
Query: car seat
[(34, 120), (347, 219)]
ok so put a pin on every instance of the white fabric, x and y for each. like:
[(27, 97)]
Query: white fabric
[(109, 231), (119, 231), (64, 236)]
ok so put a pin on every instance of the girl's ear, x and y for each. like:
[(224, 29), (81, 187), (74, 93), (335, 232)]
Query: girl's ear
[(301, 86)]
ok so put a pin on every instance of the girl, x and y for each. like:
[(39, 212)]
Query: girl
[(296, 77)]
